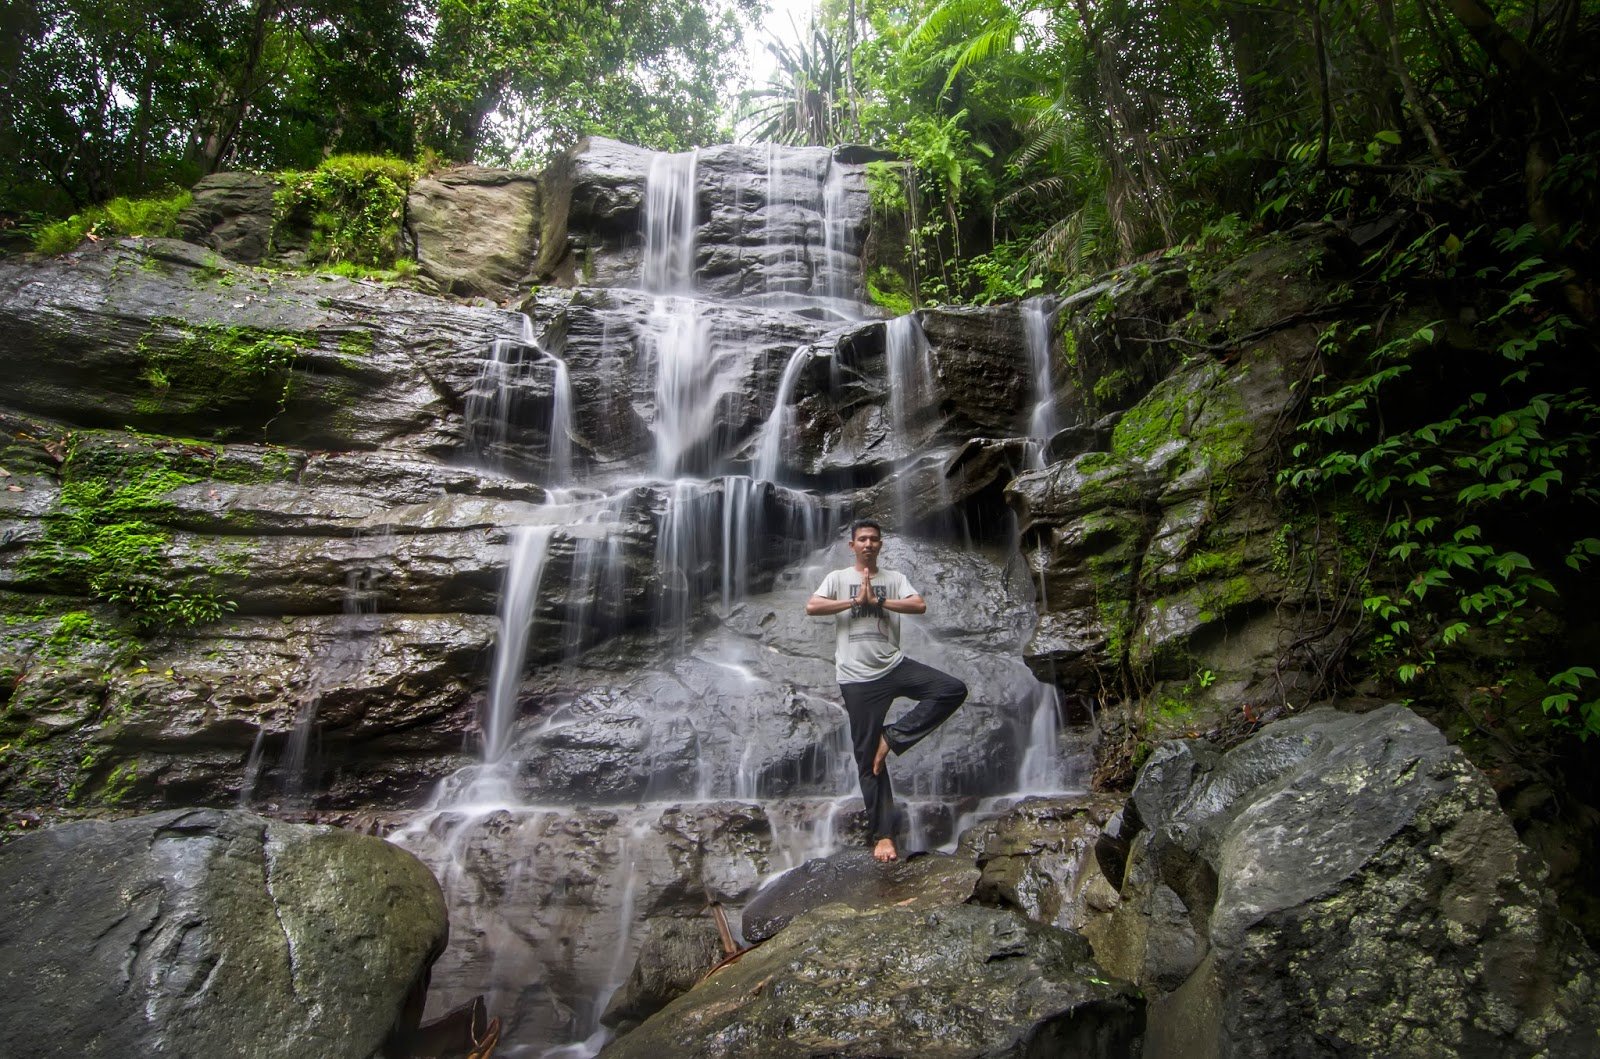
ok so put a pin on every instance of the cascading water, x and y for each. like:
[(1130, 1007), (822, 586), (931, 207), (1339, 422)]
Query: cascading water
[(769, 452), (354, 635), (708, 765), (913, 390), (519, 386), (530, 548), (1038, 315)]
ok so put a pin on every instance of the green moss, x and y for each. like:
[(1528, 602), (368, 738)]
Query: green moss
[(119, 784), (1116, 620), (210, 368), (1212, 564), (1068, 346), (102, 537), (1216, 599), (1202, 409), (215, 269), (1172, 708), (888, 288), (156, 215), (356, 344), (1109, 387), (402, 268), (1151, 423), (1105, 482)]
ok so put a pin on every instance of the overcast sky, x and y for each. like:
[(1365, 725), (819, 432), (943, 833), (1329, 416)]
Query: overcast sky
[(775, 25)]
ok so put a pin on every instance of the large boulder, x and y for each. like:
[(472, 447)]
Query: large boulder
[(852, 877), (1342, 884), (1038, 857), (189, 932), (474, 231), (231, 213), (674, 956), (960, 980)]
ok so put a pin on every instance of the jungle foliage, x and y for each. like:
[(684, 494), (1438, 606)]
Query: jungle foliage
[(101, 99)]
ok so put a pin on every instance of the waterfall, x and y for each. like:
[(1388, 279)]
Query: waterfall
[(678, 346), (354, 634), (1038, 316), (1041, 762), (611, 761), (909, 379), (561, 424), (530, 547), (669, 223), (510, 393), (836, 243), (741, 512), (774, 432)]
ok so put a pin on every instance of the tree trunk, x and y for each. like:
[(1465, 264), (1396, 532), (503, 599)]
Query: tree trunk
[(1413, 99), (1321, 50), (237, 93)]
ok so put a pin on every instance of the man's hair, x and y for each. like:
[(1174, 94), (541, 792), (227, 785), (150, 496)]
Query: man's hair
[(864, 523)]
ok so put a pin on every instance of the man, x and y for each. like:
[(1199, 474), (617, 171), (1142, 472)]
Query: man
[(866, 603)]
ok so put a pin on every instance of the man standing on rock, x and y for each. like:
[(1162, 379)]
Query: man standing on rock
[(866, 603)]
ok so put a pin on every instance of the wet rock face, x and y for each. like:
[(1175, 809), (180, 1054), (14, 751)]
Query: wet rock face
[(751, 709), (1036, 857), (855, 879), (537, 899), (958, 980), (674, 957), (1342, 882), (178, 342), (168, 934), (1150, 537), (610, 340)]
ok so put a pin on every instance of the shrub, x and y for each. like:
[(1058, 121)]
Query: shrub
[(351, 206), (155, 215)]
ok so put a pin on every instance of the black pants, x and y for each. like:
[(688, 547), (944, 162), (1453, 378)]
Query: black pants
[(868, 702)]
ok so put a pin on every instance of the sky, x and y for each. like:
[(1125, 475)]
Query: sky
[(774, 25)]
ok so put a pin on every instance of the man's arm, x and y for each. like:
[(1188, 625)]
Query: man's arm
[(912, 604), (818, 605)]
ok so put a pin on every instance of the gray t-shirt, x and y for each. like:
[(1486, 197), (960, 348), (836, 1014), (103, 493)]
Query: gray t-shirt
[(867, 643)]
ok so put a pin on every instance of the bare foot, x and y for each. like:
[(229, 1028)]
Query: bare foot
[(885, 850), (878, 760)]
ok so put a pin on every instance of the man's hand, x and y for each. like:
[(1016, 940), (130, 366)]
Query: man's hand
[(865, 597)]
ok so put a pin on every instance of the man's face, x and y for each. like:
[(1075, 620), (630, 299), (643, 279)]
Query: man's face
[(865, 545)]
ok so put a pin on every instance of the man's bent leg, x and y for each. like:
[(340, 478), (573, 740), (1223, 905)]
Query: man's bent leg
[(939, 695), (867, 704)]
